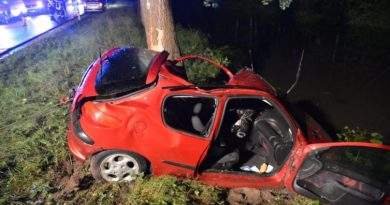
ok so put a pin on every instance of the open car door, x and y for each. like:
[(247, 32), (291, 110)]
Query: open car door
[(343, 173)]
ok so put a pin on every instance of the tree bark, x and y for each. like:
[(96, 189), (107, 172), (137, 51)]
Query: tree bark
[(158, 22)]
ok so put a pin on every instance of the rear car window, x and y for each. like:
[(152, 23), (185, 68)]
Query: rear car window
[(190, 114), (123, 71)]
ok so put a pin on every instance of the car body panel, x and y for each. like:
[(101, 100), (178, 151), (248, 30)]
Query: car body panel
[(249, 79), (340, 183), (315, 132), (136, 121)]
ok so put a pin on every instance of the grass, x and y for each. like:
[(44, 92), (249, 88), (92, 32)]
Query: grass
[(33, 151), (35, 165)]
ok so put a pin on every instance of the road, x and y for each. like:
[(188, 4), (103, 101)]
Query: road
[(17, 33)]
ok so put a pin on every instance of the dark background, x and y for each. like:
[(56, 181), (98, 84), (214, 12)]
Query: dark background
[(345, 77)]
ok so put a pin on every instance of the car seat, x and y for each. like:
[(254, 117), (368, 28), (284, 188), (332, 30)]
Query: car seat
[(196, 122)]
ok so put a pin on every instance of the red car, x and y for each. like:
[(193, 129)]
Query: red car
[(135, 111)]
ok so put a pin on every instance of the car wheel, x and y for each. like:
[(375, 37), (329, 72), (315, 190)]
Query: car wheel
[(115, 166)]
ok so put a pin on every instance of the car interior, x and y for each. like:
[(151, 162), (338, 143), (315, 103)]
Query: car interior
[(343, 175), (190, 114), (254, 137)]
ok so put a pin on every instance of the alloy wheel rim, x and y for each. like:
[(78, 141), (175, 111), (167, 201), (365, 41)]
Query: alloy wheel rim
[(119, 167)]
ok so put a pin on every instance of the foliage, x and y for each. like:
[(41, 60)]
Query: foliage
[(359, 135), (369, 14), (195, 42), (301, 200), (283, 4)]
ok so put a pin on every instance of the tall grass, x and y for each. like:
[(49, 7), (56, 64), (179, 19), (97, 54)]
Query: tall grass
[(33, 150)]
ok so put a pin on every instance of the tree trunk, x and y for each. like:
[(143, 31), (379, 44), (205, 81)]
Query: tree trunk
[(158, 22)]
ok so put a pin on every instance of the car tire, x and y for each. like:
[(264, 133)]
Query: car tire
[(117, 165)]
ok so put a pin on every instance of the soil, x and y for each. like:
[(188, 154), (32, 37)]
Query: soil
[(78, 178), (250, 196)]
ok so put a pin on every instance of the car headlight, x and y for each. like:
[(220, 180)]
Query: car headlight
[(39, 4)]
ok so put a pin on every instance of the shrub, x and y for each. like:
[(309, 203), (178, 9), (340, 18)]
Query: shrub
[(359, 135), (195, 42)]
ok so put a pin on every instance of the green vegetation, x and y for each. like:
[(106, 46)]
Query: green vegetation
[(194, 42), (33, 152), (358, 135)]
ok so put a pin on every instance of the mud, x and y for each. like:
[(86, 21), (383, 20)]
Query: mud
[(250, 196), (76, 177)]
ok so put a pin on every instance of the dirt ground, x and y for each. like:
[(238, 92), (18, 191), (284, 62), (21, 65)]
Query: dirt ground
[(250, 196)]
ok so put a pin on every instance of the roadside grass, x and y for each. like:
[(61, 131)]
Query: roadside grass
[(35, 165), (33, 150)]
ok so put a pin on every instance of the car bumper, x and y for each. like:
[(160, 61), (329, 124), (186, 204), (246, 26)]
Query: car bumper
[(79, 149)]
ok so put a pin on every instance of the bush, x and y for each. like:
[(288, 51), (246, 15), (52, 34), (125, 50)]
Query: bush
[(195, 42), (359, 135)]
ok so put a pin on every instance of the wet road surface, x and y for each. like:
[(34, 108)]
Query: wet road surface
[(16, 33)]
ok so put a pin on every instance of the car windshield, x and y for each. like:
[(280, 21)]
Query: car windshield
[(123, 71)]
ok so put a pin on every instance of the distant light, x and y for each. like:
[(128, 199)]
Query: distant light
[(18, 10), (100, 5), (211, 3), (41, 23), (71, 8), (39, 4)]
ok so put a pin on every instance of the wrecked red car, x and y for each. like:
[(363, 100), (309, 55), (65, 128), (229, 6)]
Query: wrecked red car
[(135, 112)]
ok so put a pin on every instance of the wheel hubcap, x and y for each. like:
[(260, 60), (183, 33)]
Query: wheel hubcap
[(119, 167)]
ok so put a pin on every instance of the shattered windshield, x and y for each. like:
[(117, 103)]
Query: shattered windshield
[(124, 70)]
